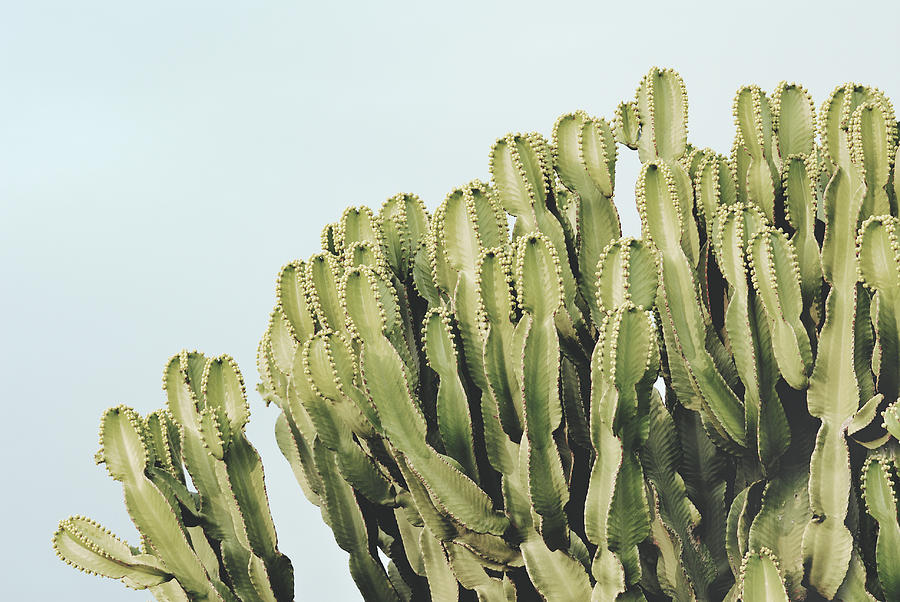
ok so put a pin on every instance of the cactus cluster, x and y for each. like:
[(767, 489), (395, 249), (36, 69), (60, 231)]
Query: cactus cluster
[(216, 544), (506, 399), (480, 405)]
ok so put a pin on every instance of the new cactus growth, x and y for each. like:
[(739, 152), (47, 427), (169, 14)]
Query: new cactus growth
[(552, 410)]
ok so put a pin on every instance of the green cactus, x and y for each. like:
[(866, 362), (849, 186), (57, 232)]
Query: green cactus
[(556, 411), (217, 543)]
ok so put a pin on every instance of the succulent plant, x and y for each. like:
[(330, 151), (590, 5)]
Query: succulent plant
[(502, 431), (217, 543), (507, 399)]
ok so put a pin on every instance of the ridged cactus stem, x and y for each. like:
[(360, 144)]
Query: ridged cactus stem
[(833, 394), (667, 224), (617, 515)]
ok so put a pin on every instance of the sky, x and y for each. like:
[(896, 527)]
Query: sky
[(160, 161)]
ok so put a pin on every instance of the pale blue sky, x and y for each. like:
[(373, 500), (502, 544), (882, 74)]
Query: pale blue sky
[(160, 161)]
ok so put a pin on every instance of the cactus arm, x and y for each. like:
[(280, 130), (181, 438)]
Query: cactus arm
[(783, 515), (662, 106), (895, 177), (607, 568), (557, 576), (627, 125), (441, 580), (245, 472), (604, 471), (666, 213), (753, 117), (704, 469), (290, 447), (585, 156), (259, 578), (854, 585), (423, 273), (293, 301), (574, 415), (85, 545), (423, 505), (501, 452), (402, 221), (714, 187), (454, 495), (663, 222), (736, 545), (471, 574), (164, 443), (241, 479), (739, 161), (223, 388), (409, 535), (356, 224), (468, 221), (323, 272), (209, 423), (879, 493), (800, 211), (888, 328), (833, 394), (627, 272), (537, 273), (670, 571), (494, 282), (384, 375), (386, 383), (328, 238), (671, 576), (273, 384), (453, 417), (125, 455), (793, 120), (761, 577), (331, 373), (303, 434), (775, 274), (347, 523), (871, 145), (617, 511), (521, 171), (879, 269), (677, 515), (773, 435), (517, 187), (733, 226)]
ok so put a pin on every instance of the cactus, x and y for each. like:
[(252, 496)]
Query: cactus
[(522, 364), (216, 543), (552, 410)]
